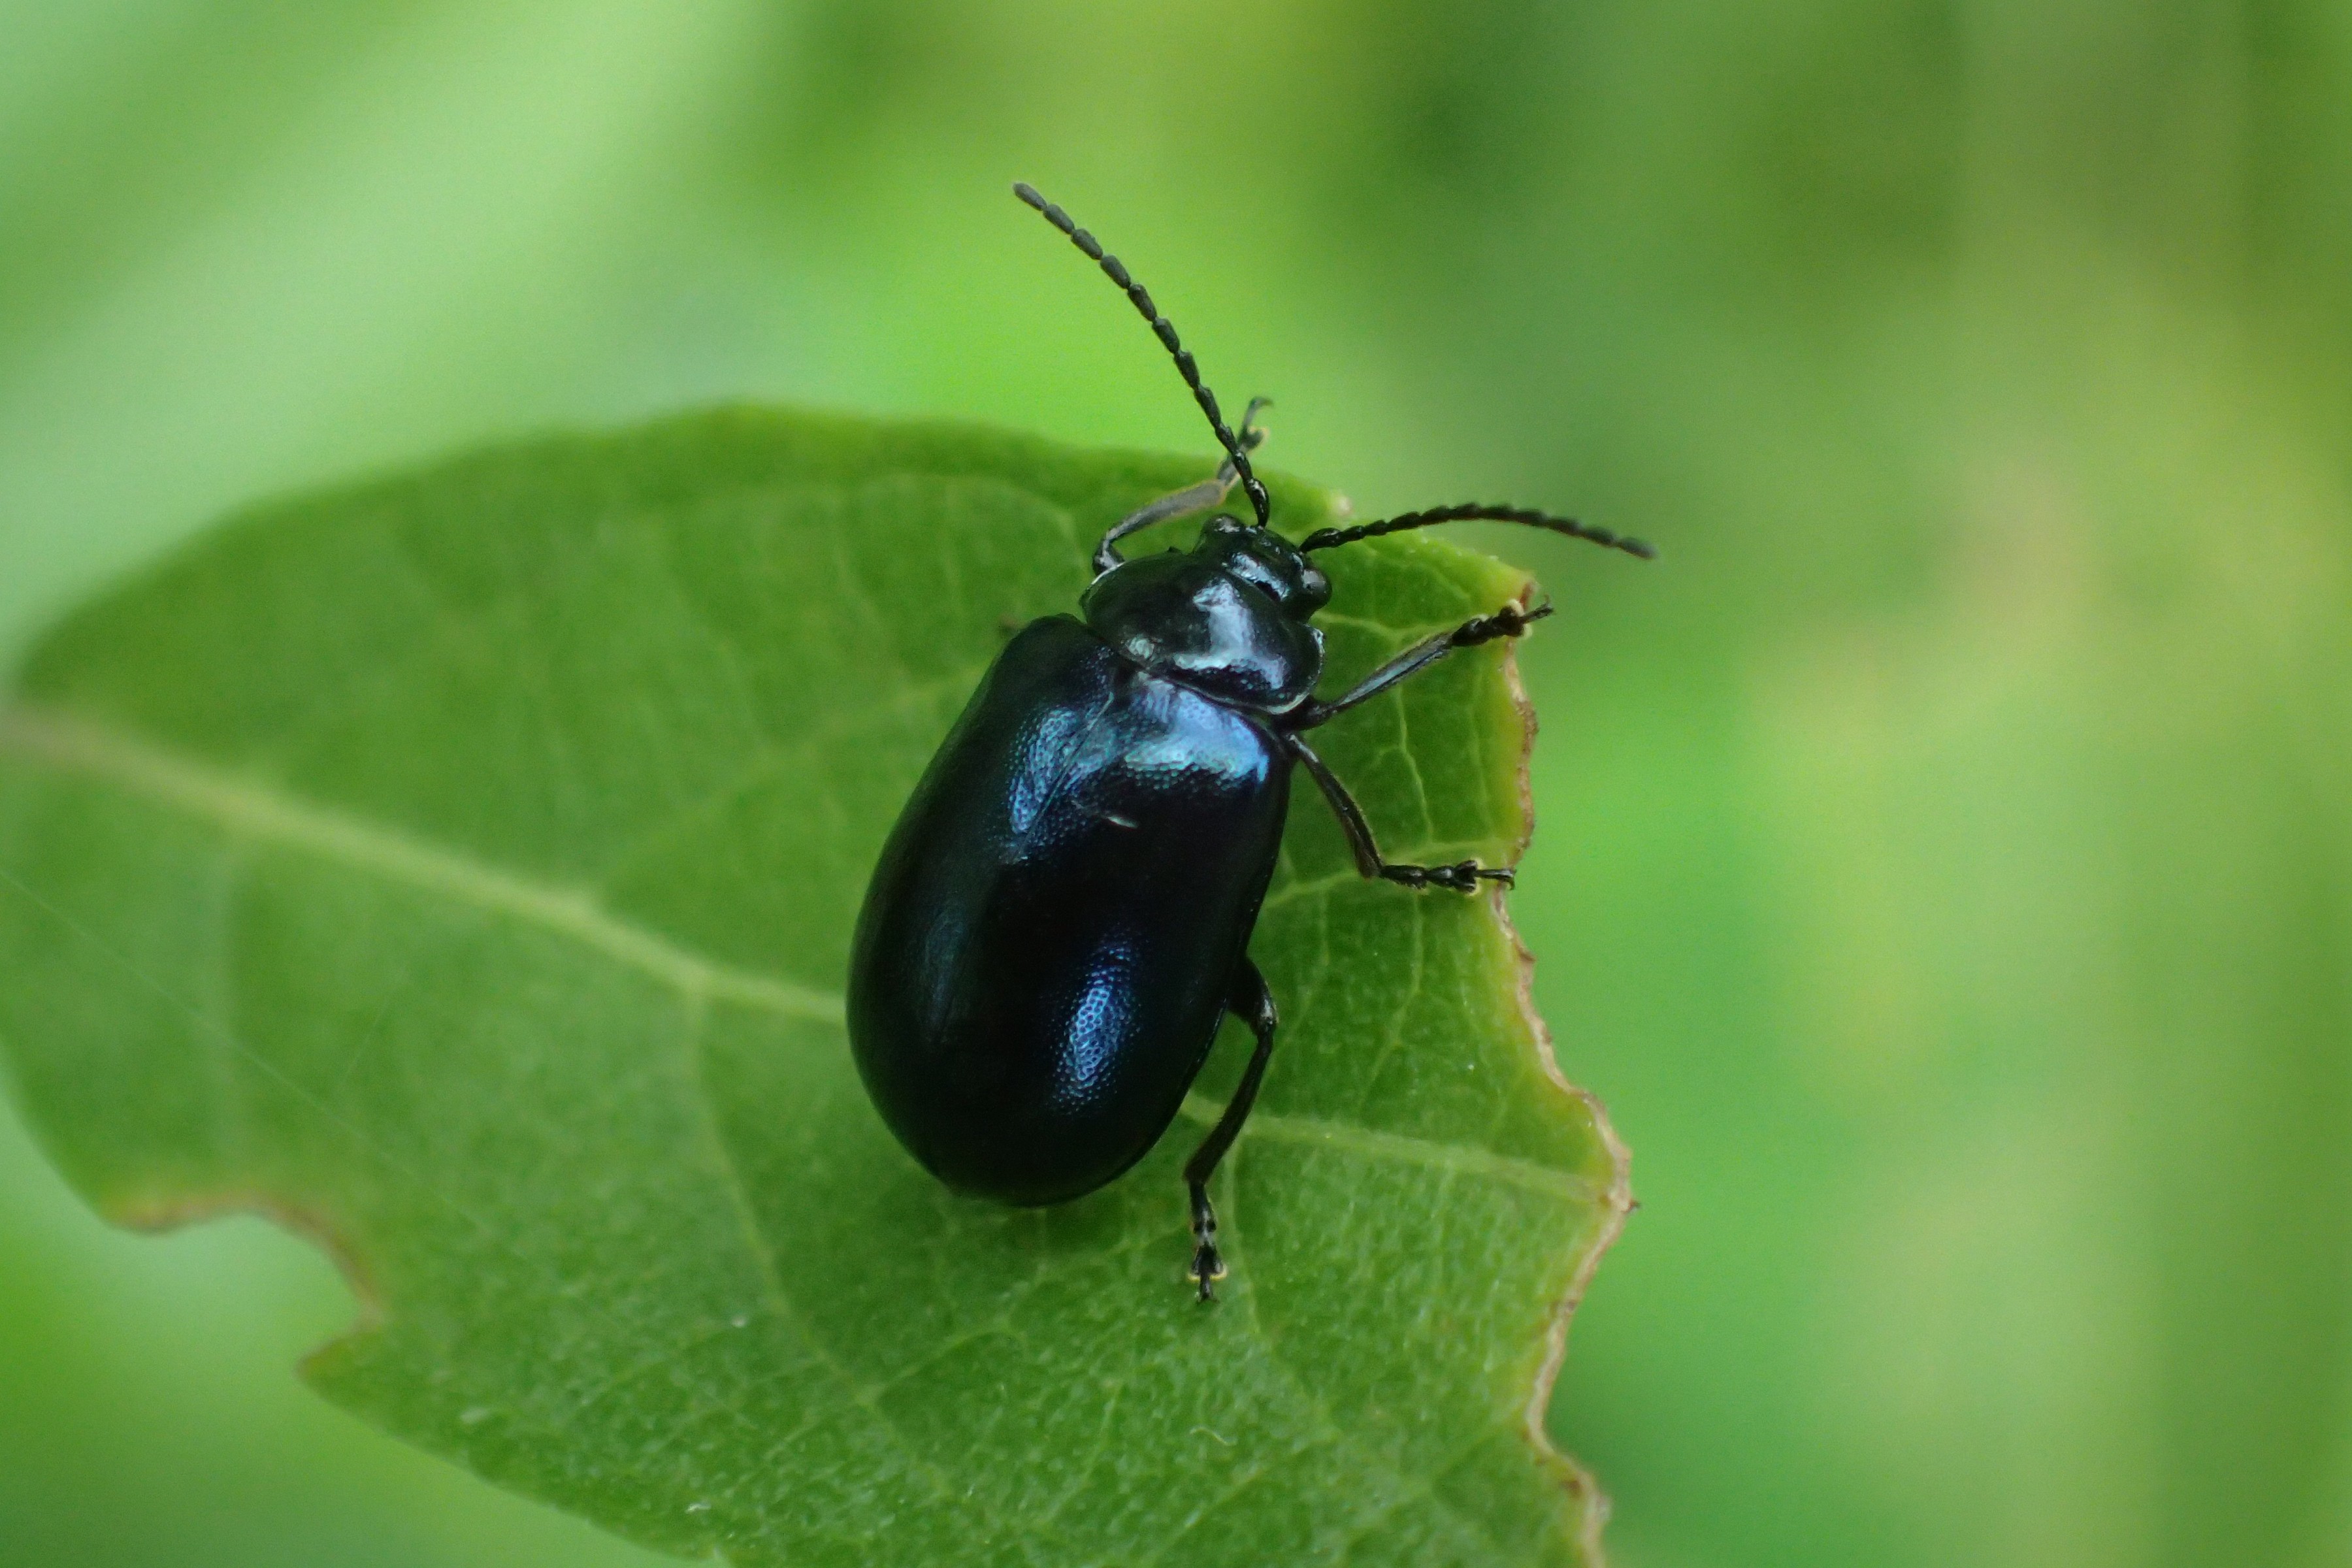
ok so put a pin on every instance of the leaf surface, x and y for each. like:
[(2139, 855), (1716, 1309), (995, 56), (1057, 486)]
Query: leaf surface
[(460, 869)]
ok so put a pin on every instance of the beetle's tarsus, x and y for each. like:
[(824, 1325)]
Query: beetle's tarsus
[(1462, 877), (1510, 621), (1252, 434), (1208, 1264)]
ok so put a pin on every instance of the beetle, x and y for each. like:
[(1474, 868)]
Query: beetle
[(1061, 914)]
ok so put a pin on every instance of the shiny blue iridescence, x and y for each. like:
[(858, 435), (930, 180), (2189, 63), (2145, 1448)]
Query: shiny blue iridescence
[(1056, 921)]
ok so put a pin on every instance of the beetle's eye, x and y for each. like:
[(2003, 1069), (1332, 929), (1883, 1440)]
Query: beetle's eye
[(1224, 522)]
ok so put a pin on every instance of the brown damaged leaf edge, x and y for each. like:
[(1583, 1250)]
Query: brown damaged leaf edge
[(159, 1216), (1616, 1202)]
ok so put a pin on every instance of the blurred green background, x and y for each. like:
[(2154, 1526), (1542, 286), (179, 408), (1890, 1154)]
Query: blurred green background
[(1946, 871)]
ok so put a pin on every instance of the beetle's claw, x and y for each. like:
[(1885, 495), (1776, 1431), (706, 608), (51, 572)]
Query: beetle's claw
[(1208, 1267), (1208, 1264)]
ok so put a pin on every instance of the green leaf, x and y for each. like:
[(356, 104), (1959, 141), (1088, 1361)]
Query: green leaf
[(460, 869)]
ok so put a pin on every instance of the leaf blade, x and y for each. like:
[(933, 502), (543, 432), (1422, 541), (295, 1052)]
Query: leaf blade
[(511, 819)]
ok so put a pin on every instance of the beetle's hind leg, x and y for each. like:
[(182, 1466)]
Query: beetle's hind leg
[(1253, 1004), (1463, 876)]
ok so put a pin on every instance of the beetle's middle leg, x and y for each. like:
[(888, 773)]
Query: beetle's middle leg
[(1463, 876), (1253, 1004)]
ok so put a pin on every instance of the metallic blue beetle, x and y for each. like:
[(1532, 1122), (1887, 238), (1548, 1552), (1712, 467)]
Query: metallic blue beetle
[(1063, 912)]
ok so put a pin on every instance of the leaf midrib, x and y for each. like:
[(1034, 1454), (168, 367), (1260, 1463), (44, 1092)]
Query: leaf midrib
[(78, 745), (69, 743)]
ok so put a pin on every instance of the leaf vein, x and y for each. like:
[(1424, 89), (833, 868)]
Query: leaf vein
[(1313, 1397), (250, 810), (780, 1303), (1400, 1148)]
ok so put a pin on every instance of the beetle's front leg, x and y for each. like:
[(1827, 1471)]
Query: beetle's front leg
[(1463, 876), (1507, 622), (1183, 502), (1253, 1004)]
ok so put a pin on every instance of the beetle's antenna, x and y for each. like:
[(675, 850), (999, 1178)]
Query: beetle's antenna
[(1236, 450), (1470, 511)]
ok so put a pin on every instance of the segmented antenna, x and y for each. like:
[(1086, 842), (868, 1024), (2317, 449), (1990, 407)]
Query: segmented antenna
[(1472, 511), (1235, 452)]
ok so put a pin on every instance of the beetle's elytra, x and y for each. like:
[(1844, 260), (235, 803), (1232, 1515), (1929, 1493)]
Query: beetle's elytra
[(1063, 912)]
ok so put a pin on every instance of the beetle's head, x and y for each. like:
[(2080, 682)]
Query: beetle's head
[(1266, 560)]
